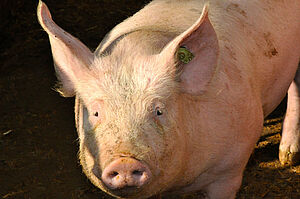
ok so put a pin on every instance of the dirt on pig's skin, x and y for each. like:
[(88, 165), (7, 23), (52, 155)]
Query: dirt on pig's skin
[(38, 141)]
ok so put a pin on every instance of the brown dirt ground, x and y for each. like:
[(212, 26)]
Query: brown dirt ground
[(38, 142)]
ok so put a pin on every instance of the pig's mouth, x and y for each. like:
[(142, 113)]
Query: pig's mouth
[(126, 192)]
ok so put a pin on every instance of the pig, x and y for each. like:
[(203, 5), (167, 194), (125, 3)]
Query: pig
[(174, 98)]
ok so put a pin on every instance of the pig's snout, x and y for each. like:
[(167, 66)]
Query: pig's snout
[(125, 173)]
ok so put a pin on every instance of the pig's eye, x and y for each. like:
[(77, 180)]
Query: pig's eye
[(158, 111), (96, 113)]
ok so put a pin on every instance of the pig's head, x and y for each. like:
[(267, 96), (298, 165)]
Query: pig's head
[(132, 138)]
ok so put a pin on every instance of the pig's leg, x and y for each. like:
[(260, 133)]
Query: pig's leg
[(289, 150), (224, 188)]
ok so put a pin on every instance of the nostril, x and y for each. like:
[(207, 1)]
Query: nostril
[(137, 173), (113, 174)]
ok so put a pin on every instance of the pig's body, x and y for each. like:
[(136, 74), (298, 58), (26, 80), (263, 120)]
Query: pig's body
[(214, 126)]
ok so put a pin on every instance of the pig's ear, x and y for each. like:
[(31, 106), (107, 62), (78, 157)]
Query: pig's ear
[(71, 57), (195, 53)]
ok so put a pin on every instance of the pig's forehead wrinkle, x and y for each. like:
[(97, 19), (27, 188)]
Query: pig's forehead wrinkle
[(112, 44), (107, 51), (143, 35), (110, 41)]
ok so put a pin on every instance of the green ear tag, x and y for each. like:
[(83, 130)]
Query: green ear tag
[(184, 55)]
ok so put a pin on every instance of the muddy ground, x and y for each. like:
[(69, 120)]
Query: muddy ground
[(38, 141)]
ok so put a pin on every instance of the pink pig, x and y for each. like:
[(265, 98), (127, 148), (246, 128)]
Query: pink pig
[(174, 98)]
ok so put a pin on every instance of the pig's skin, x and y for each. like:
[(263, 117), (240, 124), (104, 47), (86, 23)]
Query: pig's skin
[(214, 129)]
